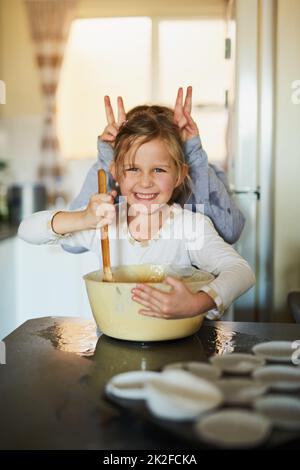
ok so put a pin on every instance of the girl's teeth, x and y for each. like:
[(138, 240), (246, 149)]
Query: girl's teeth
[(145, 196)]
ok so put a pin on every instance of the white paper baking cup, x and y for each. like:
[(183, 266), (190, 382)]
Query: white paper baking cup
[(282, 378), (199, 369), (240, 391), (130, 384), (178, 395), (237, 363), (234, 428), (275, 351), (283, 411)]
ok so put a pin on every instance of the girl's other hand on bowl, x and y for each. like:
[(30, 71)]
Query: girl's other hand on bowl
[(178, 303)]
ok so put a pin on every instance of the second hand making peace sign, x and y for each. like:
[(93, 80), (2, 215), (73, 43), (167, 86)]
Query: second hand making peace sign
[(182, 115)]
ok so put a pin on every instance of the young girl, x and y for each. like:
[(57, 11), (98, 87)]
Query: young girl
[(209, 184), (149, 226)]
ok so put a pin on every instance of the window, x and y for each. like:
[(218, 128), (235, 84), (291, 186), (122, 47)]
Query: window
[(192, 53), (144, 60), (103, 57)]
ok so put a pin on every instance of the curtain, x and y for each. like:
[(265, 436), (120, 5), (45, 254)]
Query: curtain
[(50, 22)]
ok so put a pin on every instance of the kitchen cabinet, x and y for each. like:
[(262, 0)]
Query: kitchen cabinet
[(37, 281), (49, 281)]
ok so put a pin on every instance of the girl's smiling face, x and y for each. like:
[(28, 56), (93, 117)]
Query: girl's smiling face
[(150, 177)]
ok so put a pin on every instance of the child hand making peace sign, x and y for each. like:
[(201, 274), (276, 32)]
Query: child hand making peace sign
[(182, 115), (111, 130)]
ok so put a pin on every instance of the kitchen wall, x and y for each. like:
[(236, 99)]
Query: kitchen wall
[(21, 116), (287, 156), (210, 8), (17, 50), (17, 58), (20, 125)]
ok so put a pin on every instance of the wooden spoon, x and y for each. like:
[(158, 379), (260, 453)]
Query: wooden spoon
[(107, 274)]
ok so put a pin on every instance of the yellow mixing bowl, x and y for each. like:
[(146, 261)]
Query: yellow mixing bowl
[(116, 314)]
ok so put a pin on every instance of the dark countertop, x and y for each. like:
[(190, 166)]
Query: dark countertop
[(7, 230), (51, 387)]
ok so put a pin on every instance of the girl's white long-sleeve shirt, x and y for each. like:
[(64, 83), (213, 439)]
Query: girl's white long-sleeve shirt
[(186, 238)]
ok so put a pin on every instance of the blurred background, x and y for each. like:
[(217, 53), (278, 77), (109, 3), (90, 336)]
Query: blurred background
[(58, 58)]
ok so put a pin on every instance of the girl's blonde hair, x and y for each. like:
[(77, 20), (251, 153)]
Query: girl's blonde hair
[(146, 123)]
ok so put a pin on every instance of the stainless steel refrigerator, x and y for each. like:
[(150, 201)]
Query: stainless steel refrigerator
[(251, 149)]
